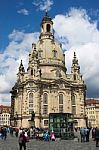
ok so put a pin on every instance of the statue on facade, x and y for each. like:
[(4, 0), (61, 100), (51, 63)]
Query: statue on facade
[(32, 116)]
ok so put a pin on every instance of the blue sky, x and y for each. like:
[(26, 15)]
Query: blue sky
[(20, 26), (11, 19)]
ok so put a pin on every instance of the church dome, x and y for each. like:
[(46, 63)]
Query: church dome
[(48, 49)]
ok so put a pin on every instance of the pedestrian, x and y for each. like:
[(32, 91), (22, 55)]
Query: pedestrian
[(52, 136), (11, 131), (87, 132), (97, 136), (5, 133), (82, 134), (46, 136), (28, 132), (93, 133), (22, 140), (2, 133), (77, 134), (16, 132)]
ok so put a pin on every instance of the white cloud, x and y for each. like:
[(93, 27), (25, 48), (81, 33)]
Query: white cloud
[(43, 4), (20, 44), (78, 33), (23, 12)]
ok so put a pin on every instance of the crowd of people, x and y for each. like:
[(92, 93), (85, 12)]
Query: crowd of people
[(24, 135), (84, 133)]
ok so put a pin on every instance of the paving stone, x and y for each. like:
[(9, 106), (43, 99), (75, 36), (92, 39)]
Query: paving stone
[(11, 143)]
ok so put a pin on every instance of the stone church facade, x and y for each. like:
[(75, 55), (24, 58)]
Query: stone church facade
[(46, 87)]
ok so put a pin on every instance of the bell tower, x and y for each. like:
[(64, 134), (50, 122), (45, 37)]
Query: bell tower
[(46, 28)]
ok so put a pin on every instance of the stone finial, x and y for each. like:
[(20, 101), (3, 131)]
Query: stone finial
[(74, 54), (21, 67), (75, 61)]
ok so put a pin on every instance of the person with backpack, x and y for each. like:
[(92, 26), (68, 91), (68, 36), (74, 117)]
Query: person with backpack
[(22, 141)]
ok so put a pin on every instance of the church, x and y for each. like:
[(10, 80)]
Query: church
[(46, 87)]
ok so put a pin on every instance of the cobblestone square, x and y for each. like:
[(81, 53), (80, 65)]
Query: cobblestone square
[(11, 143)]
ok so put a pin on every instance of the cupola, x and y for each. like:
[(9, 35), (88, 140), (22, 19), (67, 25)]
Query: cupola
[(46, 27)]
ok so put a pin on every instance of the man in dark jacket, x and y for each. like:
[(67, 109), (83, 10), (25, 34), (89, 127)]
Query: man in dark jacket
[(97, 136), (22, 141)]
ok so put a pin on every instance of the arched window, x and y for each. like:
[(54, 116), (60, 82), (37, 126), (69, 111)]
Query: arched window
[(48, 28), (61, 99), (45, 103), (40, 54), (54, 53), (34, 72), (73, 99), (74, 110), (30, 103), (74, 76), (31, 98), (60, 103), (45, 98), (31, 72)]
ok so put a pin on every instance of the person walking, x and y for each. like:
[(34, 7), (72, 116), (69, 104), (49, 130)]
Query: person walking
[(93, 133), (97, 136), (5, 133), (2, 133), (22, 140), (87, 134), (82, 134), (16, 132), (46, 136), (52, 136)]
